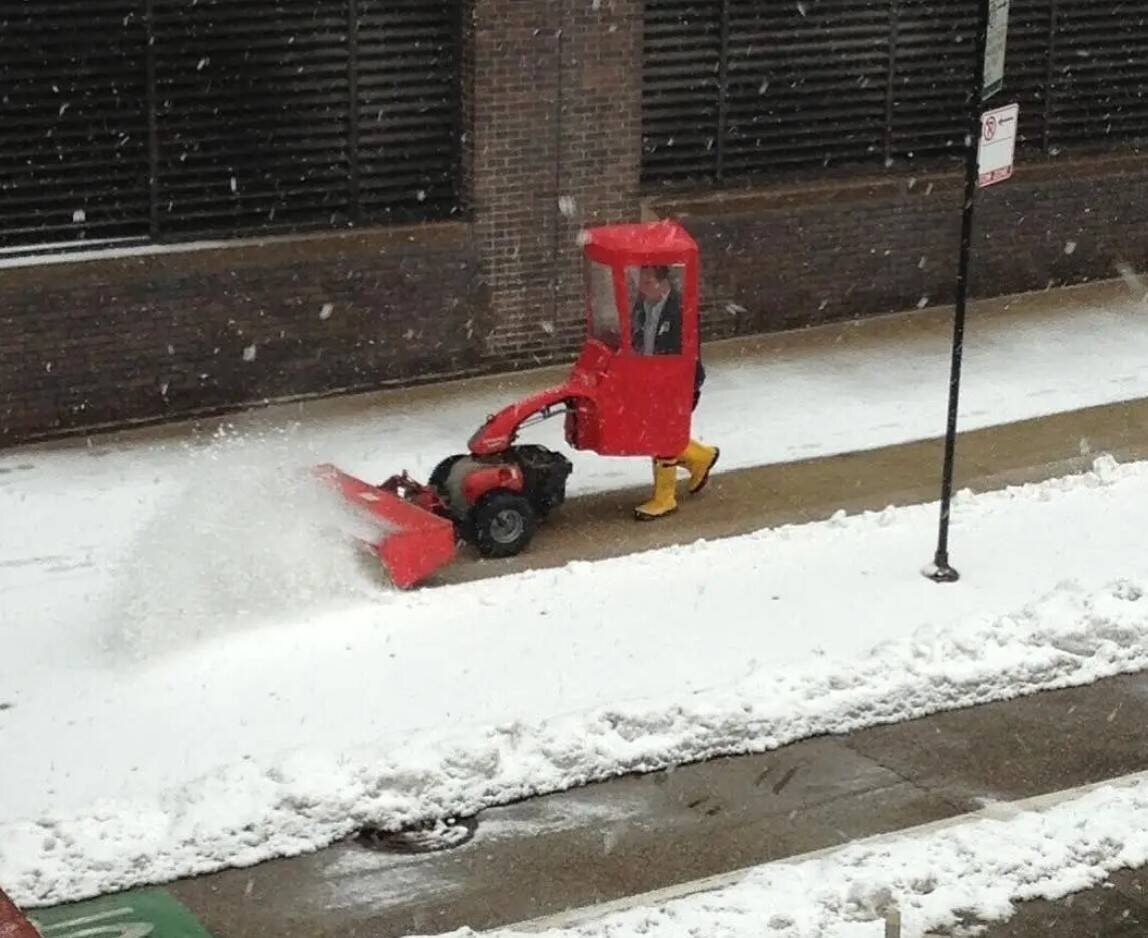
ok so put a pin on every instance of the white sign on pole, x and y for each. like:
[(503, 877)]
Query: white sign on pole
[(998, 144), (995, 48)]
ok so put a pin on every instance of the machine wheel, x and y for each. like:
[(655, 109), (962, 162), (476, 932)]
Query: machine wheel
[(545, 472), (502, 524)]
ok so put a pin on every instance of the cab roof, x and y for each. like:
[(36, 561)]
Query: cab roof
[(656, 242)]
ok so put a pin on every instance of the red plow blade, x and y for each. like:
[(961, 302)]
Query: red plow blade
[(413, 542)]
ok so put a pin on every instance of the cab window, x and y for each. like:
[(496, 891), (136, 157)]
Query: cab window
[(604, 319)]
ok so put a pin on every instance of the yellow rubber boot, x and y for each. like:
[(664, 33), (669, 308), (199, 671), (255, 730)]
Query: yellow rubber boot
[(699, 459), (665, 492)]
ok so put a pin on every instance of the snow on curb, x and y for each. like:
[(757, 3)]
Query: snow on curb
[(247, 813), (936, 879)]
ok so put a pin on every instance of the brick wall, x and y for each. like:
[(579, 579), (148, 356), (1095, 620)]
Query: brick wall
[(794, 255), (514, 188), (107, 341), (600, 158)]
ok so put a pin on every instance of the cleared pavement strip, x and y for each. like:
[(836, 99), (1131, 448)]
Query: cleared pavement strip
[(640, 834), (741, 501)]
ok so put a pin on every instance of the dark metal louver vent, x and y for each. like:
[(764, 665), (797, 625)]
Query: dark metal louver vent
[(409, 107), (73, 120), (681, 87), (806, 83), (184, 118), (1030, 22), (934, 52), (252, 103), (749, 88), (1099, 72)]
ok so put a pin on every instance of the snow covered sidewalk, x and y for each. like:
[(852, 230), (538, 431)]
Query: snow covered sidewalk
[(195, 673), (145, 754)]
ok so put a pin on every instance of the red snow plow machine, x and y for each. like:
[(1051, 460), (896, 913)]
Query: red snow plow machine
[(623, 397)]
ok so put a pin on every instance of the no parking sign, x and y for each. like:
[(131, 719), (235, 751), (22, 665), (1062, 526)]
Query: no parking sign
[(998, 144)]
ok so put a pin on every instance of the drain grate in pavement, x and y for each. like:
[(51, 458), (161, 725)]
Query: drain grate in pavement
[(426, 838)]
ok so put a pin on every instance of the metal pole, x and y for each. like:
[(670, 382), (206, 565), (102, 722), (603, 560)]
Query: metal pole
[(942, 571)]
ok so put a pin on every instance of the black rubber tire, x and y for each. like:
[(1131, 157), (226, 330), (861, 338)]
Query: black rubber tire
[(538, 463), (502, 524)]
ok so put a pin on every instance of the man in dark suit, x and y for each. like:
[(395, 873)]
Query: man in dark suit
[(656, 329), (656, 319)]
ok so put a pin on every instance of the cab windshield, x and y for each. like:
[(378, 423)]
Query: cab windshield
[(604, 319)]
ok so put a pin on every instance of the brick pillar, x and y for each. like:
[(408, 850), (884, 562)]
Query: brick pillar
[(554, 111), (514, 149), (602, 134)]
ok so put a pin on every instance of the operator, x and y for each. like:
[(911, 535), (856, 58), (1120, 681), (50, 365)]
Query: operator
[(656, 329)]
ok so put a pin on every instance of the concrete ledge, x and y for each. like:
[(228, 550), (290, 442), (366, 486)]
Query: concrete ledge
[(198, 257), (848, 186)]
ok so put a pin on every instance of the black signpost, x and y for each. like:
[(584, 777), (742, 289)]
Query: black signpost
[(982, 86)]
